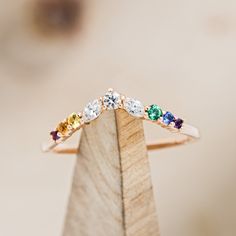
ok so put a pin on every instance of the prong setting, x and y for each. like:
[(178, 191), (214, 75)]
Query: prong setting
[(111, 100)]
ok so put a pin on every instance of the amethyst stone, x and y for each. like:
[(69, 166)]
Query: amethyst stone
[(168, 118), (178, 123), (54, 135)]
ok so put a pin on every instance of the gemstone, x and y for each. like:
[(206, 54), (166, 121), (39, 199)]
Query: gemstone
[(178, 123), (92, 110), (111, 100), (168, 117), (154, 112), (73, 120), (54, 135), (134, 107), (62, 128)]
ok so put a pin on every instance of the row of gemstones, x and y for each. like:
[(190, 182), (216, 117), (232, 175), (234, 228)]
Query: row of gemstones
[(154, 113), (113, 100), (71, 123)]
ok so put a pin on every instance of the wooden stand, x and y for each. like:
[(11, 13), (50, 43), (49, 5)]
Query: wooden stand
[(112, 192)]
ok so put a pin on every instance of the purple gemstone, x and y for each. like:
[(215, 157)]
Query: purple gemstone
[(54, 135), (168, 118), (178, 123)]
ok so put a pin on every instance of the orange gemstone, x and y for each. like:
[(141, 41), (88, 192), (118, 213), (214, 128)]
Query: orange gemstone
[(62, 128)]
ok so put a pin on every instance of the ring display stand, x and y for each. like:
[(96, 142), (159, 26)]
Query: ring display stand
[(112, 193)]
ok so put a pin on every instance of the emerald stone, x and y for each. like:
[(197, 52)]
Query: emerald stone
[(154, 112)]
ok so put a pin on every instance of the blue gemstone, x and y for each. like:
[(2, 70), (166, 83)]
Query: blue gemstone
[(168, 118)]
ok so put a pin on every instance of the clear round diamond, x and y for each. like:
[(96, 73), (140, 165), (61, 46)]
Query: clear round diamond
[(134, 107), (111, 100), (92, 110)]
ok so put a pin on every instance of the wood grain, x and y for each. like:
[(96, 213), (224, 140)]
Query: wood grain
[(112, 193)]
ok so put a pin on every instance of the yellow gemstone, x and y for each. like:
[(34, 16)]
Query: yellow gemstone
[(73, 120), (62, 128)]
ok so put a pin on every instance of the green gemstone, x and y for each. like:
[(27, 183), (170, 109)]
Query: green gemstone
[(154, 112)]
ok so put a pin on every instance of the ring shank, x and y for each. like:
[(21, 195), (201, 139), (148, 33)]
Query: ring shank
[(187, 133)]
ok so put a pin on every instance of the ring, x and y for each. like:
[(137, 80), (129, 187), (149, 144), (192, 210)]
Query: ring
[(113, 100)]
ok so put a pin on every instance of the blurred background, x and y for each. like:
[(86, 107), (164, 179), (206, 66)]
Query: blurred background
[(56, 55)]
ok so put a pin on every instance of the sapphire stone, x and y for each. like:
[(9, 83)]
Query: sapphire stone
[(168, 118)]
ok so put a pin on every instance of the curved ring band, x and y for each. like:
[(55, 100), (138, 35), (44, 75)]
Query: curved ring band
[(113, 100)]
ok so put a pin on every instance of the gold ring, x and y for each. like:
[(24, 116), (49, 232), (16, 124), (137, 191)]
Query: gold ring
[(113, 100)]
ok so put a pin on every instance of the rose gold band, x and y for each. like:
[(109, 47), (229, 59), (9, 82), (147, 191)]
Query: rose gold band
[(187, 134), (112, 100)]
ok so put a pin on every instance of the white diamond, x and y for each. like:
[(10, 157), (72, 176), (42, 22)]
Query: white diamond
[(111, 100), (92, 110), (134, 107)]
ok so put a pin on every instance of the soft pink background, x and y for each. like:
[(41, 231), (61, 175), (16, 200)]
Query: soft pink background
[(179, 54)]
